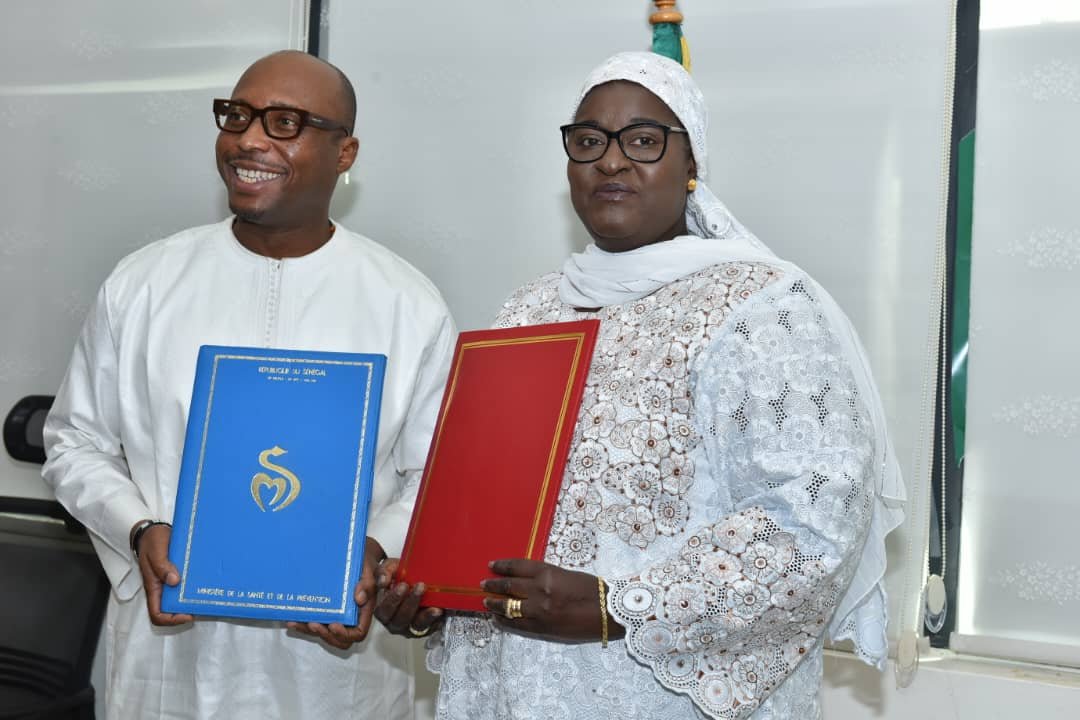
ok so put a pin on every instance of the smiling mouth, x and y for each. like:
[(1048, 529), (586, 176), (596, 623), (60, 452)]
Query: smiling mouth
[(250, 177)]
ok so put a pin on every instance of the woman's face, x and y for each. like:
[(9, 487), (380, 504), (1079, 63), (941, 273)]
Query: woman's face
[(625, 204)]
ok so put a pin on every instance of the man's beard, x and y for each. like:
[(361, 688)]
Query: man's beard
[(248, 215)]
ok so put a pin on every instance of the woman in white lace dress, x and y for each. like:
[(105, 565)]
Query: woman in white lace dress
[(730, 482)]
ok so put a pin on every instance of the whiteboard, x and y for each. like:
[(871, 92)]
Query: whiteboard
[(108, 143), (826, 137)]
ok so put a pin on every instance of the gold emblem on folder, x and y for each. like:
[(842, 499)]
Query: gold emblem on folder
[(286, 480)]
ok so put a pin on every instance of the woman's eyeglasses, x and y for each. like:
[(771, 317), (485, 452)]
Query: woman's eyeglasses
[(643, 142)]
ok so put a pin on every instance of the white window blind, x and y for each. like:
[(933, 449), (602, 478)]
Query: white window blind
[(1019, 588)]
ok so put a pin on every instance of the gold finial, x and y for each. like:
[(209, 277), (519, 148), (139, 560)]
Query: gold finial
[(665, 12)]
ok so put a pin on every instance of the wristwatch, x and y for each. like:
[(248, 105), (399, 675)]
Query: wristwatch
[(141, 528)]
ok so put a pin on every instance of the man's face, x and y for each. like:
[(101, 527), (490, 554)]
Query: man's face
[(285, 183), (625, 204)]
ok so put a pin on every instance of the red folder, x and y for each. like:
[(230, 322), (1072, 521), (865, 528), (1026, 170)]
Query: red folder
[(496, 461)]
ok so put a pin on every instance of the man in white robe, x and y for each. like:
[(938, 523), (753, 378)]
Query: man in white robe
[(278, 274)]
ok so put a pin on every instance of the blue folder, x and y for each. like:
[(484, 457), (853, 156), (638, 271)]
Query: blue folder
[(271, 505)]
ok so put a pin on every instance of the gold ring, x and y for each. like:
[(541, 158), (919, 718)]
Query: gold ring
[(513, 608), (419, 633)]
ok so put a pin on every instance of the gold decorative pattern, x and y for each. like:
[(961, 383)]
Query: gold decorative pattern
[(286, 479)]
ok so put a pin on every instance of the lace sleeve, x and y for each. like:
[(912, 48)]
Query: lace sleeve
[(786, 434)]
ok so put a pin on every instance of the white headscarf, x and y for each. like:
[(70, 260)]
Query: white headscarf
[(596, 278)]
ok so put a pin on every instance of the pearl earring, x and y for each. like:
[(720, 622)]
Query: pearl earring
[(691, 186)]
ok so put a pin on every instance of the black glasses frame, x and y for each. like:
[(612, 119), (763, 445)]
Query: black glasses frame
[(306, 119), (616, 135)]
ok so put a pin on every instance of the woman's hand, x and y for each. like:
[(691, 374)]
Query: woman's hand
[(556, 604), (398, 607)]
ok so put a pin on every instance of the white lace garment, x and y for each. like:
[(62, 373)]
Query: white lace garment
[(721, 479)]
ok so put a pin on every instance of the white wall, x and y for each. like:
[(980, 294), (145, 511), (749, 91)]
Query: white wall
[(826, 140), (107, 140)]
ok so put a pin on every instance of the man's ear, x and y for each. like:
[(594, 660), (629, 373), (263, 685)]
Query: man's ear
[(347, 154)]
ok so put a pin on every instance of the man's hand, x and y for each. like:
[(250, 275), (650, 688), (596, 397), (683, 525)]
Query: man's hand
[(157, 571), (342, 636), (399, 607), (556, 604)]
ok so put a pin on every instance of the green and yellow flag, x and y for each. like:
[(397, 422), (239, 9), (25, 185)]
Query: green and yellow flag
[(668, 38)]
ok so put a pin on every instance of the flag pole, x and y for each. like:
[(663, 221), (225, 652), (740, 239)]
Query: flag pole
[(666, 12)]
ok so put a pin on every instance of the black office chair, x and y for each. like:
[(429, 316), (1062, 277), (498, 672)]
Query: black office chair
[(52, 594)]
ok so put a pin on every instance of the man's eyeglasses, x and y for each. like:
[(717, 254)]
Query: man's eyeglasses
[(643, 142), (282, 123)]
